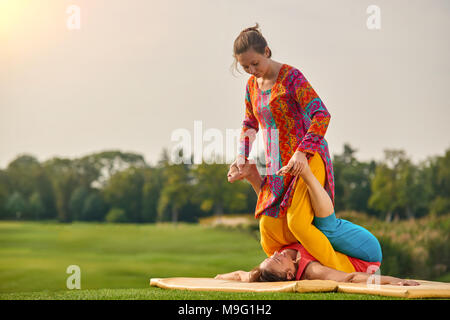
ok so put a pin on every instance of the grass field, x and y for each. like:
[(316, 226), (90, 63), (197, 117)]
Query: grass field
[(117, 260)]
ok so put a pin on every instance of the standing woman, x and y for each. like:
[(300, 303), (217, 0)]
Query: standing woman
[(294, 120)]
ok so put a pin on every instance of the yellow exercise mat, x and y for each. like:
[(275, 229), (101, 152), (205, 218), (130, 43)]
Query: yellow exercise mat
[(426, 289), (209, 284)]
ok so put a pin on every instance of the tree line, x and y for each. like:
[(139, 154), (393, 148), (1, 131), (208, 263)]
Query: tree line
[(114, 186)]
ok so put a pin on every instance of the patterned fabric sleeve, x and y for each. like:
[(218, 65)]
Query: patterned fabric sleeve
[(250, 127), (314, 108)]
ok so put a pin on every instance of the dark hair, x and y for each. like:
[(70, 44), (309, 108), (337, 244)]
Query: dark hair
[(249, 38), (264, 275)]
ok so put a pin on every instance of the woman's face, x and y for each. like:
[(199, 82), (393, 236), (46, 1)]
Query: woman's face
[(254, 63), (281, 263)]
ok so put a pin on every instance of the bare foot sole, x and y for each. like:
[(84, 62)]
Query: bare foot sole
[(234, 174)]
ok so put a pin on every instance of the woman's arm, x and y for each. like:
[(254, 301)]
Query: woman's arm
[(250, 127), (362, 277), (317, 271), (313, 107), (236, 276)]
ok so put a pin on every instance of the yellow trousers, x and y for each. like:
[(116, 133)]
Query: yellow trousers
[(297, 226)]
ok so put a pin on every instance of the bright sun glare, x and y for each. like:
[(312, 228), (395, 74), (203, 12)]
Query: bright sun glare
[(10, 11)]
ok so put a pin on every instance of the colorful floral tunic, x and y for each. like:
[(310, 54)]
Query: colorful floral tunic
[(292, 117)]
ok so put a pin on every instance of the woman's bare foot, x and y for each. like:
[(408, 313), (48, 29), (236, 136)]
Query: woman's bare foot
[(233, 174), (306, 173), (248, 170)]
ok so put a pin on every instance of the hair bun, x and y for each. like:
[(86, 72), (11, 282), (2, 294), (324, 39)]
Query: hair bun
[(255, 28)]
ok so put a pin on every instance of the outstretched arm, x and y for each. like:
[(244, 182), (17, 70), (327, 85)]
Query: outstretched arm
[(250, 126), (236, 276), (315, 270)]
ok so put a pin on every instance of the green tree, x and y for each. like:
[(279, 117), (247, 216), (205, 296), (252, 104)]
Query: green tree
[(124, 190), (177, 189), (36, 205), (65, 179), (214, 192), (410, 189), (94, 208), (116, 215), (16, 205), (150, 193), (437, 174), (26, 175), (22, 173), (383, 197), (352, 181), (397, 188), (96, 169), (76, 202), (5, 187)]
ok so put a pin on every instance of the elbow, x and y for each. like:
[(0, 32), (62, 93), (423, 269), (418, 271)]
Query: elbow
[(325, 114)]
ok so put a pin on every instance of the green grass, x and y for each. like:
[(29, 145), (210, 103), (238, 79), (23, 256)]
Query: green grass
[(117, 260), (444, 278), (161, 294)]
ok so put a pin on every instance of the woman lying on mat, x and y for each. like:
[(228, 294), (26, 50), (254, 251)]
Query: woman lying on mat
[(354, 245), (295, 263)]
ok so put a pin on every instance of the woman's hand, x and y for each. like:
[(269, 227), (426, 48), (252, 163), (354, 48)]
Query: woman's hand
[(295, 165), (403, 282), (233, 174), (236, 276), (239, 162), (248, 171), (241, 168)]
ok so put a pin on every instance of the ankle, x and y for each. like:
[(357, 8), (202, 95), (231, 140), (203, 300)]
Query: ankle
[(254, 176), (307, 174)]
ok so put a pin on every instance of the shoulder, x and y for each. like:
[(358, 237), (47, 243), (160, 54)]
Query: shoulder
[(306, 259), (291, 70), (313, 270), (293, 73), (316, 271), (293, 78)]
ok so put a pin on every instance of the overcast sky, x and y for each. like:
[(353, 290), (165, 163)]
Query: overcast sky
[(138, 70)]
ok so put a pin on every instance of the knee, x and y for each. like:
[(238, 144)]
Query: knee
[(269, 241), (268, 249), (269, 244), (376, 254), (300, 228), (328, 225)]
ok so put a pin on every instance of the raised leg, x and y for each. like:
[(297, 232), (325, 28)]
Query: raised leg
[(345, 236), (320, 199), (300, 216)]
